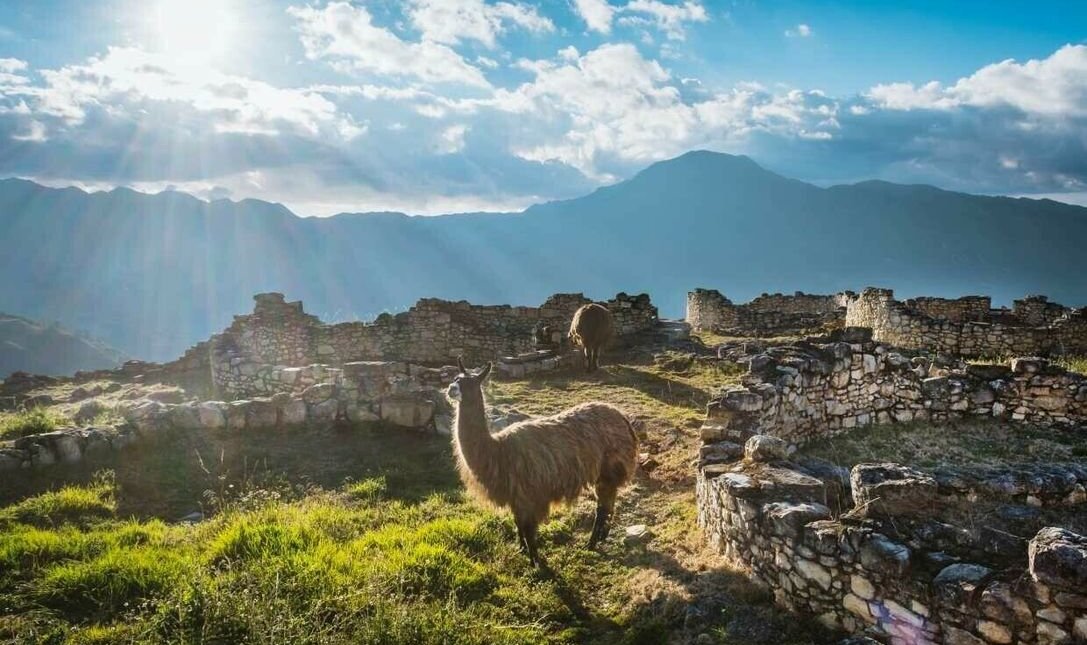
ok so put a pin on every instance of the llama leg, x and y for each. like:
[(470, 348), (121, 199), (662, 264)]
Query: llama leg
[(588, 359), (521, 542), (605, 502), (526, 529)]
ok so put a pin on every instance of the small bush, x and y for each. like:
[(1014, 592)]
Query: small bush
[(27, 422)]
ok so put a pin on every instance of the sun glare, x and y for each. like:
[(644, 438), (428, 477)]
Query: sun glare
[(193, 30)]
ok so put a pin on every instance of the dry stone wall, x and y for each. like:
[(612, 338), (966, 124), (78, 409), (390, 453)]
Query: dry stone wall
[(968, 327), (814, 390), (767, 315), (882, 575), (269, 350)]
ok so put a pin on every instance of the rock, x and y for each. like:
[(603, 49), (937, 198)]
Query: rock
[(815, 572), (166, 396), (78, 394), (956, 636), (862, 587), (1058, 557), (262, 413), (720, 452), (407, 411), (647, 463), (764, 448), (11, 459), (211, 414), (319, 393), (994, 632), (957, 582), (636, 533), (87, 411), (890, 490), (880, 554), (788, 518), (192, 518), (293, 412)]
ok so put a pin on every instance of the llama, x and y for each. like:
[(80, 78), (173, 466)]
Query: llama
[(592, 328), (532, 465)]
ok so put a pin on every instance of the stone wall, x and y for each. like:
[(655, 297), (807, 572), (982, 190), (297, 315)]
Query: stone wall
[(766, 315), (892, 577), (263, 352), (813, 390), (968, 327), (394, 393)]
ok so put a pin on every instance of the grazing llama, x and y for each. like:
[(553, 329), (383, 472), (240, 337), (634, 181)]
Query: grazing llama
[(532, 465), (592, 328)]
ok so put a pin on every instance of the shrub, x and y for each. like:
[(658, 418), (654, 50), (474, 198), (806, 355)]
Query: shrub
[(27, 422)]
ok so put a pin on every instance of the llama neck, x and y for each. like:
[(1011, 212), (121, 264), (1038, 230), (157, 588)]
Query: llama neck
[(472, 434)]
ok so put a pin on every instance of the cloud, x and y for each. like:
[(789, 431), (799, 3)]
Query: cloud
[(669, 18), (346, 36), (128, 79), (451, 21), (597, 14), (611, 109), (452, 139), (800, 31), (1052, 87)]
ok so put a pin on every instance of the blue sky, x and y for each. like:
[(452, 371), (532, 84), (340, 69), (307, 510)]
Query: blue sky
[(431, 106)]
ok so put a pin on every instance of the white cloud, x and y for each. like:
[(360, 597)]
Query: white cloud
[(124, 79), (611, 106), (670, 18), (452, 139), (11, 72), (451, 21), (800, 31), (597, 14), (1051, 87), (35, 134), (347, 36)]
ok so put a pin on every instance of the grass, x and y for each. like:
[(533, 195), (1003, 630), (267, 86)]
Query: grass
[(27, 422), (1076, 364), (968, 442), (398, 555)]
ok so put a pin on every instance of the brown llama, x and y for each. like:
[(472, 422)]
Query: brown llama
[(592, 328), (532, 465)]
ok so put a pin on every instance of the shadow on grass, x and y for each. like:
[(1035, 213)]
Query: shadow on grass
[(171, 476)]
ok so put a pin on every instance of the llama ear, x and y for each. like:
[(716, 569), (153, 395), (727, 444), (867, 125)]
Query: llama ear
[(460, 365), (485, 371)]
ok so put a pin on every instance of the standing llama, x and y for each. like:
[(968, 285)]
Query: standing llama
[(592, 328), (532, 465)]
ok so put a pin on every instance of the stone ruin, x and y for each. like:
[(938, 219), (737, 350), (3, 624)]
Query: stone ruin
[(969, 326), (885, 549), (280, 366), (767, 315)]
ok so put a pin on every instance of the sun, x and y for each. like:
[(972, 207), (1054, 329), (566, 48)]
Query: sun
[(199, 31)]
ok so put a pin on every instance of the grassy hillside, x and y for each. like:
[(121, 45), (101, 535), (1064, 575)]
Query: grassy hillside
[(38, 348), (397, 555)]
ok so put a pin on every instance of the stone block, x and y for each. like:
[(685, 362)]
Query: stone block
[(1058, 558), (788, 519), (764, 448), (890, 490)]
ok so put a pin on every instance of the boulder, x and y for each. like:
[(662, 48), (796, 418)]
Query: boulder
[(788, 518), (88, 410), (764, 448), (319, 393), (1058, 557), (880, 554), (889, 490)]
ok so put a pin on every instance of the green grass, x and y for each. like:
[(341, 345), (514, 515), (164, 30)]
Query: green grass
[(1074, 364), (673, 388), (64, 505), (27, 422), (395, 555), (966, 442)]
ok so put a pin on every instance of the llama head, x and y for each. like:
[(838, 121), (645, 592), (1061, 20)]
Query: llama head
[(468, 384)]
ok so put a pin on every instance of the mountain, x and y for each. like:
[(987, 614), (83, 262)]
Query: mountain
[(29, 346), (151, 274)]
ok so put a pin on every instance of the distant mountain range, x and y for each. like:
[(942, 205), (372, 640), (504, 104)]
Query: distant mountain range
[(151, 274), (29, 346)]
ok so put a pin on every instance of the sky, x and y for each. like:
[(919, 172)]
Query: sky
[(437, 106)]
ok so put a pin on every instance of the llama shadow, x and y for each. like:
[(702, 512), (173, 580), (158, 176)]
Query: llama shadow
[(666, 390)]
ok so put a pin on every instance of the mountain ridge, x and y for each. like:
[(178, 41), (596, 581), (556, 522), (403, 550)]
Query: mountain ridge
[(151, 274)]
